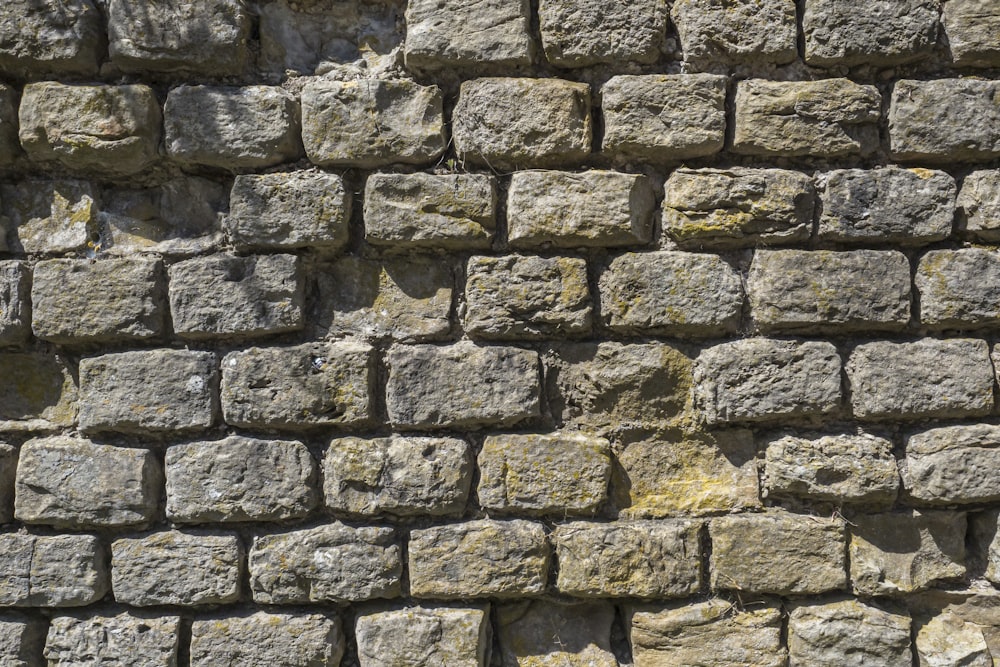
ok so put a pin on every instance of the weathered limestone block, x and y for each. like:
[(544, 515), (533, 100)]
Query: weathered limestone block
[(979, 204), (289, 210), (38, 393), (822, 291), (230, 127), (262, 638), (927, 378), (228, 296), (664, 117), (331, 563), (484, 558), (948, 639), (946, 120), (958, 288), (468, 32), (539, 633), (15, 302), (424, 637), (985, 542), (10, 146), (564, 474), (734, 33), (578, 34), (22, 638), (887, 32), (904, 552), (49, 216), (239, 479), (828, 118), (737, 207), (574, 210), (848, 633), (972, 28), (8, 469), (837, 468), (461, 386), (126, 640), (446, 212), (149, 391), (671, 293), (397, 475), (109, 130), (298, 386), (370, 123), (902, 206), (405, 299), (70, 482), (707, 634), (51, 570), (634, 559), (803, 554), (953, 465), (510, 123), (49, 39)]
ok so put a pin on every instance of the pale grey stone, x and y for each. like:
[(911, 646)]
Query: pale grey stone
[(946, 120), (972, 28), (828, 118), (664, 117), (734, 33), (39, 39), (39, 392), (633, 559), (239, 479), (15, 302), (848, 633), (979, 204), (8, 469), (512, 123), (176, 568), (69, 482), (573, 210), (10, 146), (332, 563), (953, 464), (926, 378), (534, 633), (887, 32), (49, 216), (579, 33), (958, 288), (125, 640), (468, 32), (22, 639), (262, 639), (948, 639), (424, 637), (483, 558), (397, 475), (985, 542), (51, 570)]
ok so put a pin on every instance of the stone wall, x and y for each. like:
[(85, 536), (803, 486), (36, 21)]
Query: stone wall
[(499, 332)]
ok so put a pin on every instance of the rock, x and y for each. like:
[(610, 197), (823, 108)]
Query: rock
[(15, 302), (51, 570), (957, 288), (848, 633), (538, 633), (714, 34), (126, 640), (578, 34), (947, 120), (889, 32), (972, 28), (10, 146), (979, 204), (951, 465), (40, 392), (8, 469), (49, 216), (947, 639), (22, 638), (468, 32), (262, 638), (985, 543), (424, 637), (45, 40)]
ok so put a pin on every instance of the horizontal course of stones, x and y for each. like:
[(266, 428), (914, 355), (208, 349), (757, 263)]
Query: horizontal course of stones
[(497, 332)]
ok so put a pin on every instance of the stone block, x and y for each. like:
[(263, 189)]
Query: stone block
[(468, 32), (979, 205), (230, 296), (827, 118), (904, 552), (664, 117), (890, 205), (848, 632), (149, 391), (461, 386), (808, 552), (126, 640), (331, 563), (593, 208), (735, 33), (511, 123), (958, 288), (10, 146), (737, 207), (535, 633), (633, 559), (562, 474), (370, 123), (8, 469), (984, 542), (77, 301), (107, 130), (49, 216), (578, 34), (206, 39), (239, 479), (517, 297), (40, 39), (949, 639), (888, 32), (972, 28), (671, 293), (945, 120), (51, 570), (442, 212), (925, 379), (231, 128), (15, 302), (424, 637), (262, 638), (289, 210), (39, 393), (951, 465), (483, 558), (397, 475), (299, 386), (22, 639)]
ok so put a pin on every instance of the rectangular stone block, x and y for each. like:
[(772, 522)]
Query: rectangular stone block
[(924, 379), (39, 392), (737, 207), (948, 465), (958, 288), (425, 637), (735, 33), (828, 118), (979, 205), (229, 296), (369, 123), (483, 558), (804, 554), (149, 391), (239, 479), (888, 32), (575, 210), (948, 636), (299, 386), (579, 34), (518, 297), (51, 570), (15, 302), (461, 386), (69, 482), (664, 117), (8, 469), (331, 563), (125, 640), (45, 39), (262, 638), (945, 120), (825, 634), (397, 475), (22, 638), (972, 28), (512, 123), (555, 632), (467, 32), (49, 216)]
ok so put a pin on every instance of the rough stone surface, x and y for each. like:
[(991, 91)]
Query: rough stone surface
[(10, 147), (578, 34), (943, 120), (15, 302), (49, 216), (51, 570), (957, 288), (22, 638), (8, 470), (424, 637), (848, 632), (42, 39), (126, 640), (985, 543), (714, 33), (888, 32), (39, 392), (468, 32), (948, 639), (264, 639), (534, 634), (979, 204), (973, 31), (953, 464)]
